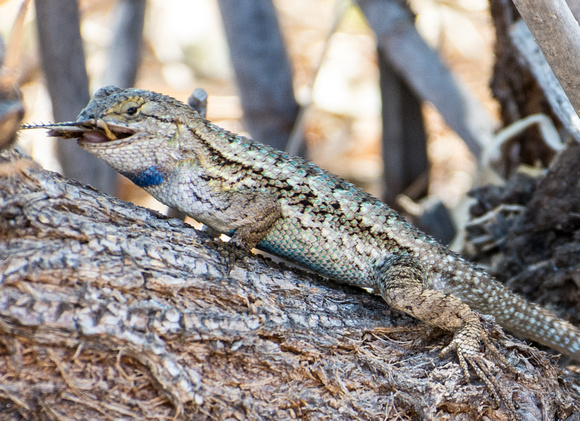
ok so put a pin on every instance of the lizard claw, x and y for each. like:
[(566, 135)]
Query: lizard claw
[(466, 343)]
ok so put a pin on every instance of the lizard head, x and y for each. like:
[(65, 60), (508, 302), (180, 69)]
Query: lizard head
[(132, 130), (118, 118)]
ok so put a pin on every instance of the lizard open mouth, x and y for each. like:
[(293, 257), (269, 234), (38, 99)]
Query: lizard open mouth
[(88, 131)]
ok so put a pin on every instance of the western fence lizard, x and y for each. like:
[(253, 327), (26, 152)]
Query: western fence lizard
[(287, 206)]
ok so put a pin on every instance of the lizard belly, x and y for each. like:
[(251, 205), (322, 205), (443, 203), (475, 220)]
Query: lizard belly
[(324, 249), (197, 203)]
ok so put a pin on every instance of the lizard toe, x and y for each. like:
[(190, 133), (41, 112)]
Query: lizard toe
[(231, 252), (467, 345)]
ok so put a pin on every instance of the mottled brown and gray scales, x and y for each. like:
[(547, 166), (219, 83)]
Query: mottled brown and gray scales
[(287, 206)]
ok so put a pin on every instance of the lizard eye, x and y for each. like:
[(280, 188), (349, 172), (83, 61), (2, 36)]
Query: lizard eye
[(130, 110)]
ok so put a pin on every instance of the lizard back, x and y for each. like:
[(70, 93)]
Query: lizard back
[(327, 225)]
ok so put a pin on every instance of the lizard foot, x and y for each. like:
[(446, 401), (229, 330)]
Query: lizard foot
[(466, 343), (231, 252)]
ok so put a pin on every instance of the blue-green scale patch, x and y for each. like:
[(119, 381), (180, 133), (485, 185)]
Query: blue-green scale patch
[(317, 261)]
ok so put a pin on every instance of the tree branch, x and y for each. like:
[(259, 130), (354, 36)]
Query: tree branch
[(422, 69), (108, 308), (558, 35), (63, 62)]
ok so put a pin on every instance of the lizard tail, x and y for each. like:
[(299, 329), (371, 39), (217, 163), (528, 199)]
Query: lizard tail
[(529, 320)]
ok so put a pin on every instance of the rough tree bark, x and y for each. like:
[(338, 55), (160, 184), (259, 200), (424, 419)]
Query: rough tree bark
[(111, 310), (525, 84)]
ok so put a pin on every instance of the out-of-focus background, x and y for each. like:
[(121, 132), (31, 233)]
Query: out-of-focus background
[(331, 46)]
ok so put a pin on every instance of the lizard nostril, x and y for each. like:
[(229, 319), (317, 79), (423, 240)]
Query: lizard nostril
[(86, 116)]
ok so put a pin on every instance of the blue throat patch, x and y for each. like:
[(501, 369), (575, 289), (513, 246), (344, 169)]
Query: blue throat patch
[(149, 177)]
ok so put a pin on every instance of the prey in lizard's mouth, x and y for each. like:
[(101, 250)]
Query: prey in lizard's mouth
[(88, 131)]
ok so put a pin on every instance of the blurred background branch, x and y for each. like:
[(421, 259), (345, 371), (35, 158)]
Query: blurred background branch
[(384, 92), (263, 72), (557, 33), (63, 63)]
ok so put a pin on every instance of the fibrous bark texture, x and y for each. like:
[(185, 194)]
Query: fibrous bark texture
[(110, 311)]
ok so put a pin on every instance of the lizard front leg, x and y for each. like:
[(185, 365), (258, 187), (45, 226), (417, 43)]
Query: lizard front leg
[(401, 282), (245, 214), (251, 215), (260, 212)]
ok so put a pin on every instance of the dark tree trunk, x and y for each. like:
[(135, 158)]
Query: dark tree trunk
[(63, 61), (125, 51), (262, 69)]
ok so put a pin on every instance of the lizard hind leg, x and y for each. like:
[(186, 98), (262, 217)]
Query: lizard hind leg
[(401, 281)]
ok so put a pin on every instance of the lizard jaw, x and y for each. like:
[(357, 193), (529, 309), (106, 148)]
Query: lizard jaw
[(98, 131), (95, 137)]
